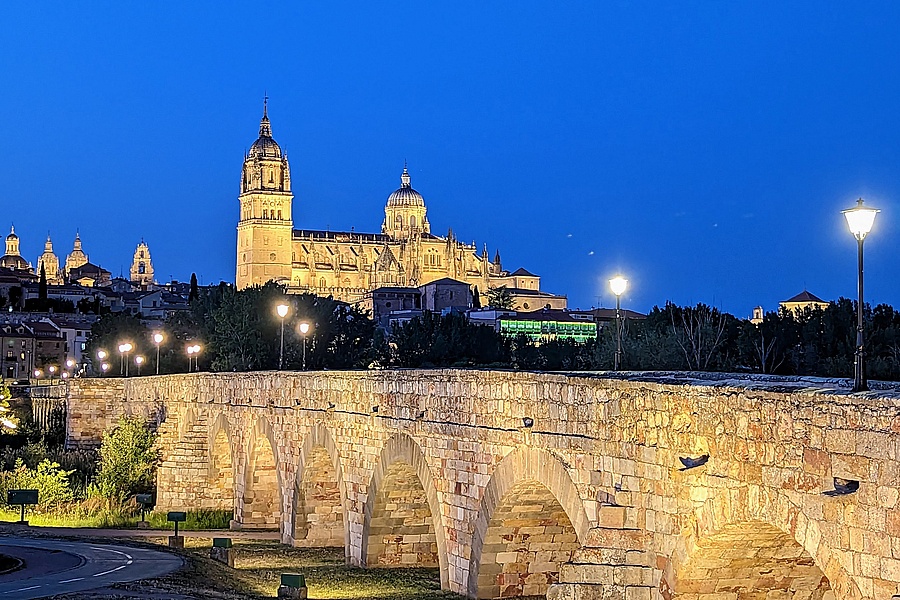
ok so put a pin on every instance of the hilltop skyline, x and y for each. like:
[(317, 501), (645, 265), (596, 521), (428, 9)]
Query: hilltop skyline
[(704, 153)]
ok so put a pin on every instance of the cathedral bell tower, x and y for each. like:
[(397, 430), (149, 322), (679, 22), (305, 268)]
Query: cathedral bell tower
[(264, 231)]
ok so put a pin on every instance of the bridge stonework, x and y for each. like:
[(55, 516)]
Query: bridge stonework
[(589, 502)]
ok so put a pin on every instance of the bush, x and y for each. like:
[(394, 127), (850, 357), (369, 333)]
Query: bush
[(51, 482), (128, 460)]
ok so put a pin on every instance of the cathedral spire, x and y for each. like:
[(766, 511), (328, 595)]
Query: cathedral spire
[(265, 128)]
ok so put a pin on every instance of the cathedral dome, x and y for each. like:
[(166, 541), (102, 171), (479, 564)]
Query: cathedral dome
[(12, 234), (265, 146), (406, 195)]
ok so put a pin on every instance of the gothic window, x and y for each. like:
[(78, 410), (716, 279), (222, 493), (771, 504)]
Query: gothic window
[(322, 283), (279, 214), (412, 221), (142, 268), (271, 176), (142, 254), (399, 221), (265, 213)]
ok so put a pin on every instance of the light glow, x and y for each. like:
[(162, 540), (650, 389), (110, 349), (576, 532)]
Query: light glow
[(860, 219), (304, 328), (618, 285), (158, 338), (282, 310)]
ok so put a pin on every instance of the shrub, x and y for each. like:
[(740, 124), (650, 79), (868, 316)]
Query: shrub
[(51, 482), (196, 520), (128, 460)]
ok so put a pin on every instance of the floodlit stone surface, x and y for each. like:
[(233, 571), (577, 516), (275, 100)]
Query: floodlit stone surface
[(305, 452)]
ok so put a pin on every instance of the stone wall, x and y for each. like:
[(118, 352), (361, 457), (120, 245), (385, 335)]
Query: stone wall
[(601, 460)]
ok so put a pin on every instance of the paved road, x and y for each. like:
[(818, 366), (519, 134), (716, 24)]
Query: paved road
[(59, 567)]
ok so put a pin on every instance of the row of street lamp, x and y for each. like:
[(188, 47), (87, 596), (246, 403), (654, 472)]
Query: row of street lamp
[(860, 220), (192, 350)]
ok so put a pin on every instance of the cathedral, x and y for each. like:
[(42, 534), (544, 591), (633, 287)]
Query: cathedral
[(348, 264)]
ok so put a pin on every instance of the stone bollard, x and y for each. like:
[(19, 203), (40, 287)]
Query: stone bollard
[(176, 541), (221, 551), (293, 586)]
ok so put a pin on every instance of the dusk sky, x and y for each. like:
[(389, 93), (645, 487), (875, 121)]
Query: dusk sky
[(703, 150)]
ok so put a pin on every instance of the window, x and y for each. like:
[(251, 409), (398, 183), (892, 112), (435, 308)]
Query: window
[(265, 213), (142, 268), (279, 214), (412, 221), (142, 254), (322, 282)]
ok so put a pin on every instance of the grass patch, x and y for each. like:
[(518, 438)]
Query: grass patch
[(259, 565), (196, 520)]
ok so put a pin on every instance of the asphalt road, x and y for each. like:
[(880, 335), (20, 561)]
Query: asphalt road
[(59, 566)]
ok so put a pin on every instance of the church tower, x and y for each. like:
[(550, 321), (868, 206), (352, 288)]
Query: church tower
[(77, 257), (404, 215), (141, 267), (264, 231), (50, 262)]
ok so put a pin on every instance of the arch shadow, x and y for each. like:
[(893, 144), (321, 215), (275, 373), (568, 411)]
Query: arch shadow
[(261, 432), (404, 449), (525, 463), (319, 437), (222, 467)]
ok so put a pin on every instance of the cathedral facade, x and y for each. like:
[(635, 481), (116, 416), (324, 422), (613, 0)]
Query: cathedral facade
[(348, 264)]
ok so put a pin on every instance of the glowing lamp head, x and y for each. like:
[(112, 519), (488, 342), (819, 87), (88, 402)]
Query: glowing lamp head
[(65, 375), (52, 369), (138, 360), (104, 367), (158, 338), (304, 328), (37, 372), (618, 284), (102, 354), (282, 310), (70, 363), (860, 219)]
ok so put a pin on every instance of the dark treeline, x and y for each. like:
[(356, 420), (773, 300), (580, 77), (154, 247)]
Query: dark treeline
[(239, 331)]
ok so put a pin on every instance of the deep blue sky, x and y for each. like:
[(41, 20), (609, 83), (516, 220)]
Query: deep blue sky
[(703, 149)]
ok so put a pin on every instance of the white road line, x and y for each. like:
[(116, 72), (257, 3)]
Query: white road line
[(34, 587), (110, 571), (71, 580)]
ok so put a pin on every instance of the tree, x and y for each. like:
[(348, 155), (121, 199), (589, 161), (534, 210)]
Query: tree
[(42, 284), (500, 298), (128, 459), (195, 290), (701, 332), (112, 329)]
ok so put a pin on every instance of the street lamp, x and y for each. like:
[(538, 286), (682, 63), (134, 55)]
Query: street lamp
[(104, 368), (304, 329), (192, 352), (618, 285), (52, 370), (139, 360), (860, 220), (101, 356), (282, 310), (124, 349), (157, 339)]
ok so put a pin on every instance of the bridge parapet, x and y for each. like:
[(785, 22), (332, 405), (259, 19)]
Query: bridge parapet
[(594, 457)]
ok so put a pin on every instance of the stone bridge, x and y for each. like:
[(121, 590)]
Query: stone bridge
[(526, 484)]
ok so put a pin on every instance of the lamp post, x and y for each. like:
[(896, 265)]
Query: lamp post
[(104, 368), (139, 360), (101, 356), (860, 220), (124, 349), (157, 339), (282, 310), (304, 329), (192, 352), (618, 285)]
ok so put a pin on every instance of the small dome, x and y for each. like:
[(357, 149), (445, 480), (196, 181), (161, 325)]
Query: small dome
[(11, 261), (12, 234), (406, 195), (265, 146)]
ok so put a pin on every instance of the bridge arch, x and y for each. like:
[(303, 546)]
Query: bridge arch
[(530, 513), (319, 512), (410, 532), (770, 535), (262, 501), (221, 470), (187, 422)]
